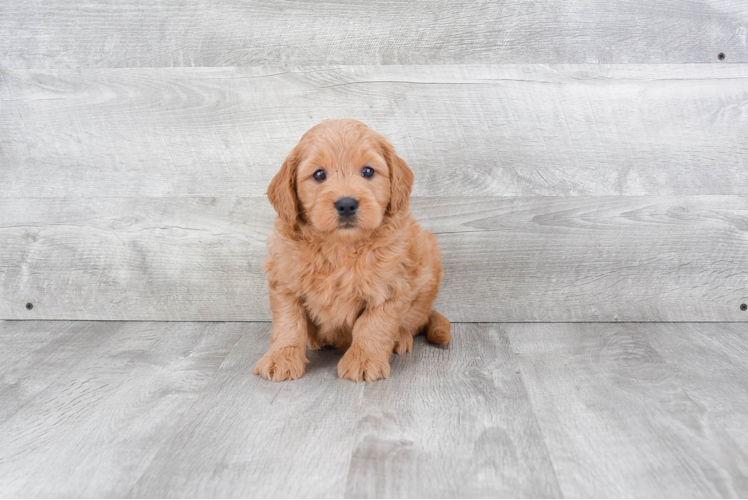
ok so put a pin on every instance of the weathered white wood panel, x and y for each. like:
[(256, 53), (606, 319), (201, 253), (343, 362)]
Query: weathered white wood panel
[(62, 33), (465, 130), (135, 259), (621, 420), (506, 259)]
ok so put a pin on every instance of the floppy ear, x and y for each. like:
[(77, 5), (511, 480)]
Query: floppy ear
[(401, 180), (282, 190)]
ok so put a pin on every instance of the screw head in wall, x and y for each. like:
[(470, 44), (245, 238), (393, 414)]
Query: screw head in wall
[(29, 306), (721, 56), (743, 307)]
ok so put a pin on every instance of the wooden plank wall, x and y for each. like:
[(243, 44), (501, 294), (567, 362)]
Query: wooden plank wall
[(171, 33), (578, 162)]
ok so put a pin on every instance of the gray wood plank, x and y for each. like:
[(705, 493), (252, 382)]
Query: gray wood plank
[(34, 354), (62, 33), (597, 259), (618, 419), (135, 259), (451, 422), (613, 258), (94, 430), (465, 130), (710, 362), (248, 437)]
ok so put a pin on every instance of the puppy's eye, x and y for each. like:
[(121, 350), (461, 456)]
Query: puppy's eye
[(367, 172), (319, 175)]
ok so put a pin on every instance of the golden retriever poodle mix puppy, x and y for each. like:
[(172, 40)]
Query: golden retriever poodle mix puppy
[(349, 267)]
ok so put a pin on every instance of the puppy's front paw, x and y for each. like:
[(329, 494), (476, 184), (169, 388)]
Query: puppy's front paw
[(358, 366), (284, 364)]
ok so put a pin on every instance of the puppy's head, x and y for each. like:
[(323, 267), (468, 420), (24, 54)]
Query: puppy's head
[(343, 179)]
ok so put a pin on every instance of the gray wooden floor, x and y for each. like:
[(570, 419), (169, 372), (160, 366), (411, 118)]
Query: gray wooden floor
[(517, 409)]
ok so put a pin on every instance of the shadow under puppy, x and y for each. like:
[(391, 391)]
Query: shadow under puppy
[(349, 267)]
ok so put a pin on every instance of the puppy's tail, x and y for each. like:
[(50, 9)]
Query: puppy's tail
[(438, 329)]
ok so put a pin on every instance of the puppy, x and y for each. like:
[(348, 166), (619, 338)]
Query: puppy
[(348, 267)]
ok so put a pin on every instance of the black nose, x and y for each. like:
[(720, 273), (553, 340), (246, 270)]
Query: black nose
[(346, 206)]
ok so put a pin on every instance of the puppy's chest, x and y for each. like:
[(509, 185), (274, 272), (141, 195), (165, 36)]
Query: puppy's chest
[(328, 291), (336, 295)]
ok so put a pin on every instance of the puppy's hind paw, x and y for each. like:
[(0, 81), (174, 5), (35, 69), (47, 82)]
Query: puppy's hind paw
[(358, 366), (438, 329), (287, 363)]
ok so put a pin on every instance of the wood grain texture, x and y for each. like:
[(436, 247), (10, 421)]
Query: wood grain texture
[(135, 259), (619, 419), (485, 130), (451, 422), (36, 353), (506, 259), (710, 365), (517, 410), (94, 430), (248, 437), (455, 421), (232, 33)]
